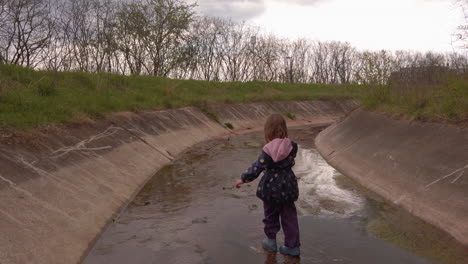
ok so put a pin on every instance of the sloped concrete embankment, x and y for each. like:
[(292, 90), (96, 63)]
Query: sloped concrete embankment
[(420, 166), (60, 189)]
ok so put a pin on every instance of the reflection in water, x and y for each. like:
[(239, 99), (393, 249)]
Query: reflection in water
[(170, 195), (272, 258), (320, 192), (190, 213)]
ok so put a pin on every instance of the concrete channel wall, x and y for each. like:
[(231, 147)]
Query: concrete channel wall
[(419, 166), (60, 188)]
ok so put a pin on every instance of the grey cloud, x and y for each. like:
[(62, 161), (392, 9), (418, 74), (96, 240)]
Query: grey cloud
[(235, 9), (242, 9)]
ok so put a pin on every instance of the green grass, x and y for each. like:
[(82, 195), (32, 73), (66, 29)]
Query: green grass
[(229, 126), (30, 98), (447, 102), (290, 115)]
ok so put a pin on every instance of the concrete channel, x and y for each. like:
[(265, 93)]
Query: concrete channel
[(64, 190), (60, 187)]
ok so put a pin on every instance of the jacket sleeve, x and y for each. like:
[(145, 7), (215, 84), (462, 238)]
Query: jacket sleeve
[(294, 151), (257, 167)]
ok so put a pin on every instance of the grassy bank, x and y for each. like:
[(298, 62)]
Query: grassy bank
[(447, 102), (31, 98)]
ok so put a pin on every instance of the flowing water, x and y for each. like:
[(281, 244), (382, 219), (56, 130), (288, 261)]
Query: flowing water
[(189, 212)]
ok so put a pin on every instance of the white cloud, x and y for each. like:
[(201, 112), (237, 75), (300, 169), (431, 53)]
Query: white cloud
[(367, 24)]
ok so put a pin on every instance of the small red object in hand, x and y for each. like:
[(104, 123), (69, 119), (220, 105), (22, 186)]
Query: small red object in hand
[(239, 182)]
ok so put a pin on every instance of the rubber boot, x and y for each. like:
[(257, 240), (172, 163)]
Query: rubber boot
[(293, 252), (269, 244)]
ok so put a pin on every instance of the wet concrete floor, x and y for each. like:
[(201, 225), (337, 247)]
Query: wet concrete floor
[(190, 213)]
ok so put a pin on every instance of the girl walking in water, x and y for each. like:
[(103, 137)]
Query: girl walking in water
[(278, 186)]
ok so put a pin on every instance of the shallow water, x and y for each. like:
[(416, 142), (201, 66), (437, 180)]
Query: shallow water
[(190, 213)]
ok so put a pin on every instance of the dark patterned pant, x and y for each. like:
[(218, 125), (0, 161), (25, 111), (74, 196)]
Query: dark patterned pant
[(288, 214)]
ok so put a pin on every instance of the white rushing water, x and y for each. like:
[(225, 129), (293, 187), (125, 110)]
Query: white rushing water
[(319, 192)]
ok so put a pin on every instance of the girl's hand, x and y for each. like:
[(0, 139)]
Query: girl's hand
[(239, 182)]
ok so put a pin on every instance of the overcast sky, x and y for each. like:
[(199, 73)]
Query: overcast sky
[(367, 24)]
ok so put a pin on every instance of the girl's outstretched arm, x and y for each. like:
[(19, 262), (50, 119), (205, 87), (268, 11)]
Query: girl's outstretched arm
[(252, 173)]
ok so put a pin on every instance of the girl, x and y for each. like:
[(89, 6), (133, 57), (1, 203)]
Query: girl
[(278, 187)]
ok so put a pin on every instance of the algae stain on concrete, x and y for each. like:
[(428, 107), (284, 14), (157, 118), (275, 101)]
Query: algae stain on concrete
[(398, 227), (408, 232)]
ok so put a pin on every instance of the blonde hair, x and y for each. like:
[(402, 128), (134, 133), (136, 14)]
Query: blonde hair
[(275, 127)]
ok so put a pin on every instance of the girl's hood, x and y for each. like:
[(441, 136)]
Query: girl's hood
[(278, 149)]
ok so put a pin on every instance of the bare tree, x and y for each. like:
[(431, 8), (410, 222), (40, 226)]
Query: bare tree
[(102, 43), (457, 62), (460, 40), (132, 32), (267, 58), (374, 67), (56, 56), (321, 57), (165, 38), (168, 24), (26, 31), (80, 34), (203, 51), (91, 32), (3, 21), (236, 52), (342, 62)]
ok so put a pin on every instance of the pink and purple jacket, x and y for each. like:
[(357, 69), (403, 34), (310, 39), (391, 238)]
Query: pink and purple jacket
[(279, 183)]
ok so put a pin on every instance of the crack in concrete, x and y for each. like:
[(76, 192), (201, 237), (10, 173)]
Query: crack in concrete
[(132, 132), (81, 146), (9, 216), (459, 176), (462, 170)]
